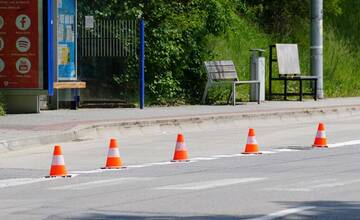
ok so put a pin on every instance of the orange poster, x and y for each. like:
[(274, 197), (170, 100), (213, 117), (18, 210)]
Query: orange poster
[(19, 44)]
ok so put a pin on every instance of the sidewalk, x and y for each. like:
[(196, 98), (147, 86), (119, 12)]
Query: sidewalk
[(18, 131)]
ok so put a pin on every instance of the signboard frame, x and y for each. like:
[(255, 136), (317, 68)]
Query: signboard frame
[(41, 54)]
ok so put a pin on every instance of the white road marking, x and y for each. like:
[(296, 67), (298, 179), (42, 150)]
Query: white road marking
[(203, 158), (343, 144), (287, 189), (313, 186), (150, 164), (283, 213), (89, 171), (215, 157), (335, 184), (223, 156), (21, 181), (268, 152), (209, 184), (286, 150), (99, 183)]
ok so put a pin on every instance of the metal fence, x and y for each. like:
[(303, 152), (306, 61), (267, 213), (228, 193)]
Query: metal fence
[(105, 50), (108, 38)]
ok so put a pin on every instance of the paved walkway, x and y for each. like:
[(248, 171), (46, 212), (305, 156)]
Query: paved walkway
[(63, 125)]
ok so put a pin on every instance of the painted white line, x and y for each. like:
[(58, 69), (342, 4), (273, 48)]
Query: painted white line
[(287, 189), (283, 213), (99, 183), (343, 144), (89, 171), (314, 185), (196, 159), (203, 158), (21, 181), (97, 171), (239, 155), (335, 184), (150, 164), (268, 152), (286, 150), (209, 184), (224, 156)]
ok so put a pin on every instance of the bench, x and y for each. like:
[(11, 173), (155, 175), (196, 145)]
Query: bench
[(287, 58), (74, 86), (224, 72)]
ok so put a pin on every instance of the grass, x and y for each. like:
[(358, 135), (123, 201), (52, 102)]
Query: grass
[(341, 67), (341, 53), (234, 45)]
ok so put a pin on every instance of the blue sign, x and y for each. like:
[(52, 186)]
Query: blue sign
[(66, 40)]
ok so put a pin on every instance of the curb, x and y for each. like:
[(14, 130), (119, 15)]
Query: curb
[(95, 130)]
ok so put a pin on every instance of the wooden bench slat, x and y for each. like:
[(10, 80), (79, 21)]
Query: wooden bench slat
[(247, 82), (220, 62), (224, 70), (69, 85), (225, 76), (220, 68)]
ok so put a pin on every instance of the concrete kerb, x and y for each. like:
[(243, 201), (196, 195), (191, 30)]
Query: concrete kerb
[(139, 127)]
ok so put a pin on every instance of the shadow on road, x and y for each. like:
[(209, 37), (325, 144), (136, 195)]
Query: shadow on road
[(325, 210)]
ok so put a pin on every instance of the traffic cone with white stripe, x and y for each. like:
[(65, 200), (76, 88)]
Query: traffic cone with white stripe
[(320, 139), (58, 168), (252, 146), (181, 154), (113, 160)]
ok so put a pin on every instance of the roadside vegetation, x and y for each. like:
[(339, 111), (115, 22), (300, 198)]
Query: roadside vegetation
[(180, 35), (2, 107)]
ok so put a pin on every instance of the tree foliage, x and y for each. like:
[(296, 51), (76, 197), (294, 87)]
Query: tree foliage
[(287, 19), (176, 32)]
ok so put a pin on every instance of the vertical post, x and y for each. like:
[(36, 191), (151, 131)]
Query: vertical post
[(316, 46), (142, 64), (50, 64)]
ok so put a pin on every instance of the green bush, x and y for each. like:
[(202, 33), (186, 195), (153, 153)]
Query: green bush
[(180, 35), (2, 105)]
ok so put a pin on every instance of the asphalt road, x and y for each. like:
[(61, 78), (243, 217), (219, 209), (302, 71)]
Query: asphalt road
[(289, 181)]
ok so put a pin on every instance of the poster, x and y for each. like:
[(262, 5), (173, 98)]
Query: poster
[(89, 22), (19, 44), (66, 40)]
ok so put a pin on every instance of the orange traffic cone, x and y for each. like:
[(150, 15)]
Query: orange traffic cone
[(113, 160), (252, 146), (320, 139), (58, 168), (181, 154)]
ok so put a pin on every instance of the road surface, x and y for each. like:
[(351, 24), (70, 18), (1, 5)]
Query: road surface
[(290, 180)]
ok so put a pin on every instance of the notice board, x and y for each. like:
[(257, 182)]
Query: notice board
[(66, 40), (21, 44)]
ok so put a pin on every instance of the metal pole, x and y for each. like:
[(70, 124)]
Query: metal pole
[(316, 47), (50, 65), (142, 64)]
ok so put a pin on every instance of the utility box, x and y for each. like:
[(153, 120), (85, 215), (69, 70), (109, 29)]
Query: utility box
[(257, 72)]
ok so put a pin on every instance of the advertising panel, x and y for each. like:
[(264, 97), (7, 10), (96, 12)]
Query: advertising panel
[(66, 35), (20, 44)]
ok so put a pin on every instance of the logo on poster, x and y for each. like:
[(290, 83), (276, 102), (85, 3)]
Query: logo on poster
[(23, 22), (2, 44), (23, 65), (23, 44), (1, 22), (2, 65)]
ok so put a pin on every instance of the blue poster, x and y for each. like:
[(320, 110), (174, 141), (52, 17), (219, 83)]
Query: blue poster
[(66, 40)]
